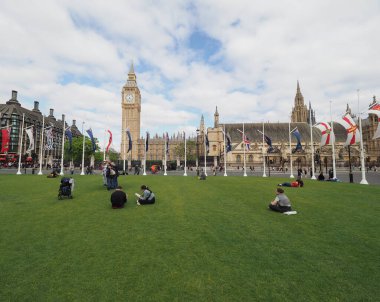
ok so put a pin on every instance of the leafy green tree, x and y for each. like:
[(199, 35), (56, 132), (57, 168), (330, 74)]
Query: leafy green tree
[(112, 155), (179, 150), (77, 148)]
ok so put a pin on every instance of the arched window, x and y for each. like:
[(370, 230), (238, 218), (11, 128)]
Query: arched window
[(214, 148), (238, 158), (250, 158)]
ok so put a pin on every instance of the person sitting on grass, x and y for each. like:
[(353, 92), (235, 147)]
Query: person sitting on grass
[(118, 198), (147, 196), (281, 203), (294, 184), (321, 177)]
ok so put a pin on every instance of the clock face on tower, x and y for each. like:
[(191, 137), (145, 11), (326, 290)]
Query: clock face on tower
[(129, 98)]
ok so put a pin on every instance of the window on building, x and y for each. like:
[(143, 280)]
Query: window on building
[(238, 158)]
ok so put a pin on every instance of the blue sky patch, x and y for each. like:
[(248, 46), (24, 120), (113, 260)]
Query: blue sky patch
[(204, 45)]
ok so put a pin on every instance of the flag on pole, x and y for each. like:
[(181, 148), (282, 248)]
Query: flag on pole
[(375, 109), (91, 135), (5, 138), (353, 133), (328, 136), (297, 135), (207, 143), (167, 143), (269, 143), (109, 141), (29, 132), (130, 140), (147, 142), (49, 138), (245, 139), (69, 135), (228, 143)]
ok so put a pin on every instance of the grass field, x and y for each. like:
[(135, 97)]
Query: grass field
[(212, 240)]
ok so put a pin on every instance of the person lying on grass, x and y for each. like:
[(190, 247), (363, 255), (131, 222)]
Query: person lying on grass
[(281, 203), (294, 184), (147, 196)]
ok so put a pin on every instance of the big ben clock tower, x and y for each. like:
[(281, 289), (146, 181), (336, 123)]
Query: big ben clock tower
[(131, 110)]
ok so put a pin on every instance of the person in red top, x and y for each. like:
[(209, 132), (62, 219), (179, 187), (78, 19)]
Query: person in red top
[(294, 184)]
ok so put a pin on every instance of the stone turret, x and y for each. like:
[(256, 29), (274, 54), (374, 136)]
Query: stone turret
[(216, 118)]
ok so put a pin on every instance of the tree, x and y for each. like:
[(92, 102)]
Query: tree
[(179, 150), (112, 155), (77, 149)]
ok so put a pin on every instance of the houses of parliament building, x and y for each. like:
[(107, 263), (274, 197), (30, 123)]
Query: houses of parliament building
[(301, 117)]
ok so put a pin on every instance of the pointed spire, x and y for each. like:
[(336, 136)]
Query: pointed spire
[(216, 111), (298, 87), (131, 69)]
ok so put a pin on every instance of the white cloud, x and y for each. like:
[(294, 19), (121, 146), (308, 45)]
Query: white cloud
[(74, 57)]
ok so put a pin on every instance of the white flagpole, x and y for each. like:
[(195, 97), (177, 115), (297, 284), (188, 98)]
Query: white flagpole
[(42, 143), (21, 139), (166, 139), (245, 146), (63, 143), (205, 153), (312, 148), (145, 155), (290, 153), (264, 175), (333, 144), (82, 173), (364, 180), (104, 146), (125, 154), (225, 151), (185, 174)]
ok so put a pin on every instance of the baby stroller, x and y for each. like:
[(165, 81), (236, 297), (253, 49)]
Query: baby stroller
[(65, 188)]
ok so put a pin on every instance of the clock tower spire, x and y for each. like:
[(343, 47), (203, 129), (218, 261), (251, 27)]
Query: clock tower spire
[(131, 111)]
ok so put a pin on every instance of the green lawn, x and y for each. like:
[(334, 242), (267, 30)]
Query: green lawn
[(212, 240)]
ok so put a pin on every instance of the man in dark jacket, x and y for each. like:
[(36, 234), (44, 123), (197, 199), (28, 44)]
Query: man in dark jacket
[(118, 198)]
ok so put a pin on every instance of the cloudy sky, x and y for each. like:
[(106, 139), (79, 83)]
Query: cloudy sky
[(243, 56)]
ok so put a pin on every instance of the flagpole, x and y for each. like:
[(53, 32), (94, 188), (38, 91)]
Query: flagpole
[(63, 143), (225, 151), (364, 180), (333, 145), (125, 155), (205, 152), (312, 148), (264, 175), (290, 153), (104, 146), (245, 172), (42, 143), (19, 156), (165, 142), (145, 155), (82, 173), (185, 174)]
